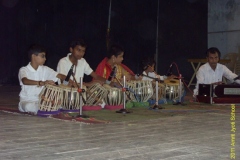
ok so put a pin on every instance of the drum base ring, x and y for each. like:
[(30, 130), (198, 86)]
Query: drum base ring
[(91, 108), (47, 113), (112, 107)]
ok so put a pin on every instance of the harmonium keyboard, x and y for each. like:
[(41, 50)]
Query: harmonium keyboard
[(223, 93)]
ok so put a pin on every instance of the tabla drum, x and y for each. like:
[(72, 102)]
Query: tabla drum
[(140, 91), (114, 97), (95, 95), (71, 97), (172, 89), (161, 90), (50, 98)]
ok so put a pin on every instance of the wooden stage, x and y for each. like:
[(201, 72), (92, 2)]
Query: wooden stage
[(203, 134)]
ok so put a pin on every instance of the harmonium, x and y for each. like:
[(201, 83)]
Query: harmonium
[(223, 93)]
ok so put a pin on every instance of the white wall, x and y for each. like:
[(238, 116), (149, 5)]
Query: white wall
[(224, 25)]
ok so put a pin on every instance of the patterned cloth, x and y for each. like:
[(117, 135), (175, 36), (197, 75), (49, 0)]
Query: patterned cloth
[(104, 70)]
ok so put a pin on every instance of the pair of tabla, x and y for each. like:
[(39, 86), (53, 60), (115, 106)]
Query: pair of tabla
[(142, 91), (138, 91), (52, 98)]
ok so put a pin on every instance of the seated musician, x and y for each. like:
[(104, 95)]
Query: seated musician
[(148, 65), (81, 67), (115, 58), (33, 77), (212, 72)]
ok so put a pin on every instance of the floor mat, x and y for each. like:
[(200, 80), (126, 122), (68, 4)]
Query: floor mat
[(61, 116), (73, 117), (137, 114)]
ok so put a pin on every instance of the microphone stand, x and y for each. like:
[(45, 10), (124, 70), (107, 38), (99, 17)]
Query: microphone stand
[(80, 91), (156, 105), (70, 106), (122, 87), (124, 110)]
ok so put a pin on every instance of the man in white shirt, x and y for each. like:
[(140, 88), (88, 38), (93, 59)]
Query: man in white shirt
[(81, 67), (212, 72)]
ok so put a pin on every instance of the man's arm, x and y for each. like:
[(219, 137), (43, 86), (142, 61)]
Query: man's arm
[(230, 75)]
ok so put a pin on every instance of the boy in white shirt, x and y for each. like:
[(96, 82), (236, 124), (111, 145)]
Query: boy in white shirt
[(81, 67), (33, 77), (149, 73)]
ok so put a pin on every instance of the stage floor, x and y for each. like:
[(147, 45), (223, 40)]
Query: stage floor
[(200, 136)]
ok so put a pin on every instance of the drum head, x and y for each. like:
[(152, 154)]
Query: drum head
[(171, 82)]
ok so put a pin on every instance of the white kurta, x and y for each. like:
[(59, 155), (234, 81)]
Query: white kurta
[(29, 93), (82, 67)]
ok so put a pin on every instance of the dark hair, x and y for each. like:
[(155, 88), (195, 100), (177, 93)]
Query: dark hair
[(35, 49), (213, 50), (147, 61), (79, 42), (115, 50)]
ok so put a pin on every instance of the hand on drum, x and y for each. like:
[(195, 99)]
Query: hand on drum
[(115, 84), (172, 77), (88, 84), (71, 83), (218, 83), (49, 82), (128, 77), (139, 78)]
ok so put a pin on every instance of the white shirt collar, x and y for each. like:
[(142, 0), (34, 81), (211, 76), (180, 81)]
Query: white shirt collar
[(210, 68), (29, 66)]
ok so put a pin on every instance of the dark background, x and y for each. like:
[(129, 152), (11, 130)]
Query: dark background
[(54, 23)]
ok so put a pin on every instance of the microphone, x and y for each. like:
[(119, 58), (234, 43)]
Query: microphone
[(112, 74), (236, 78), (65, 82), (169, 71)]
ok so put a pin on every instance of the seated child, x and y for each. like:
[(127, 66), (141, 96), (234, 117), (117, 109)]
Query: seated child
[(33, 77), (148, 65), (81, 67), (115, 58)]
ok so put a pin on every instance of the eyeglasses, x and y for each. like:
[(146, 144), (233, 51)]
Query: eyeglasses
[(42, 55)]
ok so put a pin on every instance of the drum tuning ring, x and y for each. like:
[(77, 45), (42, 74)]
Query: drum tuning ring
[(81, 90), (125, 89)]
